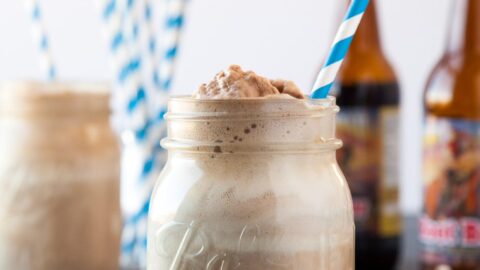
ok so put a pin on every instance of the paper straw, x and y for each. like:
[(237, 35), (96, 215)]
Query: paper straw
[(131, 118), (173, 27), (339, 49), (139, 114), (140, 185), (148, 41), (148, 17), (177, 259), (163, 73), (41, 39), (136, 188), (118, 53)]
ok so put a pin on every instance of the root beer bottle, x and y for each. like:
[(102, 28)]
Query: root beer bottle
[(368, 95), (449, 229)]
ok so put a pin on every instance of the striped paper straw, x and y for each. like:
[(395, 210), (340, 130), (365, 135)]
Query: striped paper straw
[(131, 119), (146, 38), (149, 44), (136, 190), (148, 24), (155, 156), (41, 39), (339, 49), (173, 27), (140, 111), (113, 28)]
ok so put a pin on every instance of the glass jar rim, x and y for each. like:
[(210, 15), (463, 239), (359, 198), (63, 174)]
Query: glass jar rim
[(251, 125), (328, 101), (228, 108), (54, 97)]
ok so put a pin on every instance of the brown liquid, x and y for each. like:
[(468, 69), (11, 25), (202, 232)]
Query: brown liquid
[(59, 203), (453, 89)]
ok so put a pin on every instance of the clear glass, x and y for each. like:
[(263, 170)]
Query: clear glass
[(59, 178), (251, 184)]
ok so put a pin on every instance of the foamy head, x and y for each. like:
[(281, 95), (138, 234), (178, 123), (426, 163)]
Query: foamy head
[(56, 98), (261, 124), (234, 83)]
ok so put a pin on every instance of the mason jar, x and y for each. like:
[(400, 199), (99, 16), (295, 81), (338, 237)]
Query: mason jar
[(59, 178), (251, 184)]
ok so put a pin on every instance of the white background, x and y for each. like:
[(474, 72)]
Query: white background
[(276, 38)]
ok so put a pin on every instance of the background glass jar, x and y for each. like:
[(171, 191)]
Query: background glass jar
[(59, 205), (251, 184)]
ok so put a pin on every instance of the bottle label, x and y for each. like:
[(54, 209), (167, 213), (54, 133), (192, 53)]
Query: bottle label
[(369, 159), (450, 227)]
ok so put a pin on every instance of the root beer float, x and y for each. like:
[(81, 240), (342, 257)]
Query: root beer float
[(59, 178), (252, 181)]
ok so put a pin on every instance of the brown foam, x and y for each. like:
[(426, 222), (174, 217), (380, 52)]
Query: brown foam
[(228, 125), (53, 98), (234, 83)]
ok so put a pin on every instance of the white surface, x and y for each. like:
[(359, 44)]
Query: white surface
[(277, 38)]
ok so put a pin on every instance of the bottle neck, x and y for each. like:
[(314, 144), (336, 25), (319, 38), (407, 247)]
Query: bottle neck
[(367, 37), (464, 37)]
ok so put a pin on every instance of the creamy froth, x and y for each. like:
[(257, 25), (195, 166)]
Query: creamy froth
[(235, 83)]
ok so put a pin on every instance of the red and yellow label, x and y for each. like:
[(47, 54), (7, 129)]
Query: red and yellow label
[(369, 159), (450, 226)]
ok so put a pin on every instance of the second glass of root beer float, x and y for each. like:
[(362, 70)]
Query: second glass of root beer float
[(251, 184), (59, 177)]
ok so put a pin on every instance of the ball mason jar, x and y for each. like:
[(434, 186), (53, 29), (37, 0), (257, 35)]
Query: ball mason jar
[(251, 184), (59, 178)]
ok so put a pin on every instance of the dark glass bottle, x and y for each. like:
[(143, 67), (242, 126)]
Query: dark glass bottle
[(368, 95), (449, 229)]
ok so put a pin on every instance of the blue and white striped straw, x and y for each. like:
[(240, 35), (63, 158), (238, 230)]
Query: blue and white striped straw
[(140, 112), (41, 39), (113, 30), (148, 14), (338, 51), (129, 102), (148, 43), (138, 185), (173, 27)]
